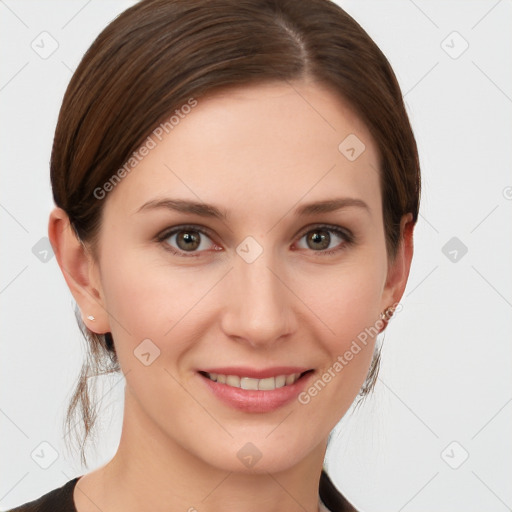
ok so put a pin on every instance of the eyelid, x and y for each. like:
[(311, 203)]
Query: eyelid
[(328, 227)]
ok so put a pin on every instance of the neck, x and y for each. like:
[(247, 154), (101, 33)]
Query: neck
[(150, 471)]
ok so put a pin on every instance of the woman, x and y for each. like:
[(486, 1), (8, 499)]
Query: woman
[(236, 187)]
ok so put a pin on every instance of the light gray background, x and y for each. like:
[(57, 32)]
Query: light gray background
[(444, 391)]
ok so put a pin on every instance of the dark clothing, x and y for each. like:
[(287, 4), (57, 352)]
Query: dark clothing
[(61, 499)]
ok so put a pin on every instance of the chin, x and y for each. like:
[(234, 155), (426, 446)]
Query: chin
[(259, 453)]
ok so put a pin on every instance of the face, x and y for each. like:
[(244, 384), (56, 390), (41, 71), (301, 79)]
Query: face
[(266, 288)]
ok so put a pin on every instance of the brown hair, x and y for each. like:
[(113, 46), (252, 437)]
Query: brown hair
[(158, 54)]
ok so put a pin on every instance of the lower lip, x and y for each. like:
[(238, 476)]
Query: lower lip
[(248, 400)]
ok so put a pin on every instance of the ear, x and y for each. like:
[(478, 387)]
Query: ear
[(79, 270), (398, 269)]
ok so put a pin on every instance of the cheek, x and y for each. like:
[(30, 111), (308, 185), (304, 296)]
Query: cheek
[(136, 299), (347, 306), (349, 352), (346, 299), (148, 300)]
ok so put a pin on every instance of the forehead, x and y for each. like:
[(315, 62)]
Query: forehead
[(258, 147)]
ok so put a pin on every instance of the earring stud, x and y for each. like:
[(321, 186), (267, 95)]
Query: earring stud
[(90, 317), (387, 313)]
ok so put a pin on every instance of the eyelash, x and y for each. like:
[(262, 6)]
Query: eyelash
[(342, 233)]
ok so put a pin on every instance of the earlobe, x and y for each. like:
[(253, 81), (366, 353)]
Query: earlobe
[(78, 268)]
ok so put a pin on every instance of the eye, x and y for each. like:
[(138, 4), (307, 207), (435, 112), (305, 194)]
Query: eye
[(187, 239), (191, 241), (320, 238)]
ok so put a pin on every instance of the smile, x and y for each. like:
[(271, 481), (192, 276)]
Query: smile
[(255, 390), (267, 384)]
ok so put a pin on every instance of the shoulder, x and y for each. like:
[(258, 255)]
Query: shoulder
[(331, 497), (58, 500)]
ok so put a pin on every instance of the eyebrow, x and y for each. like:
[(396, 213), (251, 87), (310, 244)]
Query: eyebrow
[(209, 210)]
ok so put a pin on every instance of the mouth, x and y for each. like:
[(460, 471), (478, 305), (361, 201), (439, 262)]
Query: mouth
[(251, 383), (256, 391)]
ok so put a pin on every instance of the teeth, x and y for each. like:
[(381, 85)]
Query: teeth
[(267, 384), (248, 383), (233, 380), (290, 379)]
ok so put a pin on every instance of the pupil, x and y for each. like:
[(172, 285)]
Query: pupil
[(190, 241), (316, 237)]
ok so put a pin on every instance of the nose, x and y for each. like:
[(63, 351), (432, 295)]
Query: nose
[(259, 305)]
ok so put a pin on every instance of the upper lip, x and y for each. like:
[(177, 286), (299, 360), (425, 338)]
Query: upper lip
[(255, 373)]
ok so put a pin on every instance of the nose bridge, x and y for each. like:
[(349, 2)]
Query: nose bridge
[(259, 308)]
